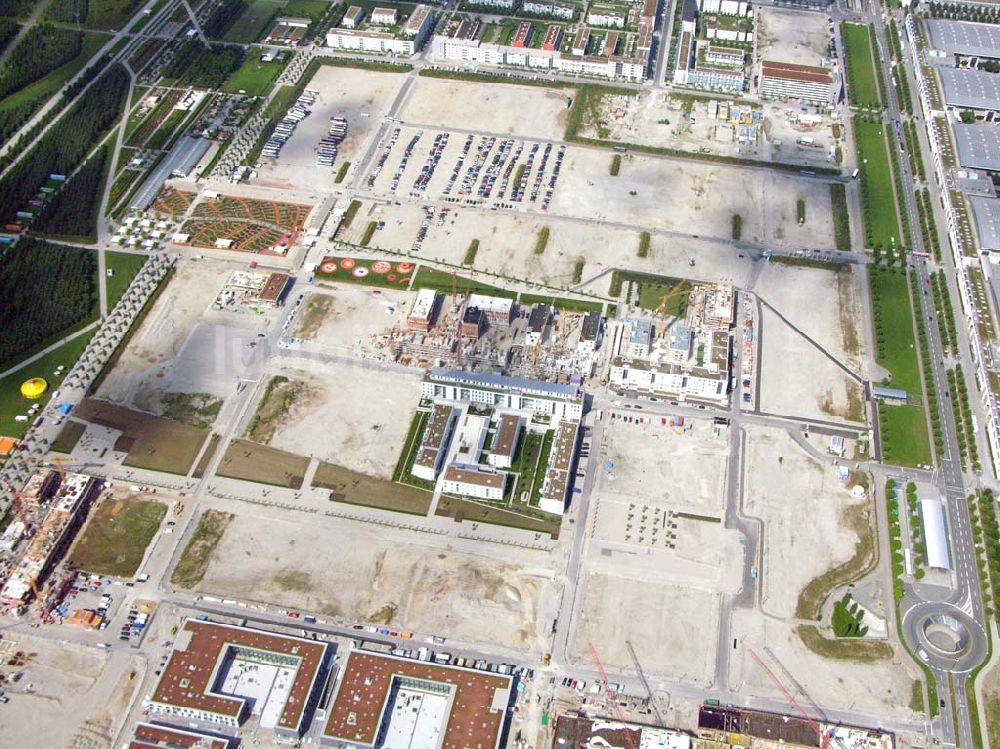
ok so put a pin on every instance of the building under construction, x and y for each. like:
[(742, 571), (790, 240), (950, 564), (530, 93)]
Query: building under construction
[(725, 726)]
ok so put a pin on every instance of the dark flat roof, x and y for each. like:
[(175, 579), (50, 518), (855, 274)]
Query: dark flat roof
[(790, 71)]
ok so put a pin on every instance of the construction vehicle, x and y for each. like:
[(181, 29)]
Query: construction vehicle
[(608, 691)]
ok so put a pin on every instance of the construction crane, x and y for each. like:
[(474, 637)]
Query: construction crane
[(824, 738), (610, 694), (645, 685)]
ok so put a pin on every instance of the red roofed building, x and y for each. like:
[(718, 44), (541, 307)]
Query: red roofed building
[(381, 698), (150, 736), (216, 672), (522, 37)]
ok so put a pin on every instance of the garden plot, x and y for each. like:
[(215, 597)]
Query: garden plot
[(345, 570), (684, 469), (528, 111), (362, 96), (798, 379), (172, 202), (792, 36), (702, 199), (824, 305), (672, 627), (875, 691), (350, 414), (784, 485)]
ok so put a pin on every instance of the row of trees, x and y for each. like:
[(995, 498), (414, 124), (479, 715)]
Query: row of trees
[(8, 30), (41, 50), (203, 68), (64, 146), (946, 312), (46, 288), (930, 389), (73, 211), (928, 227), (958, 12), (964, 427), (222, 18), (986, 535)]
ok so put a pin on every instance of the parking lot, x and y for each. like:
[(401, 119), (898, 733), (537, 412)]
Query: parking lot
[(466, 169)]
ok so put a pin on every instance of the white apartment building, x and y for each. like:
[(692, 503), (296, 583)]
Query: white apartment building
[(506, 393), (781, 80), (606, 16), (472, 481), (725, 7), (669, 379)]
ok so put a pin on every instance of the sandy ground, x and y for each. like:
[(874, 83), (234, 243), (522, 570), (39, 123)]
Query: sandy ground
[(825, 306), (345, 570), (654, 118), (701, 199), (77, 697), (876, 690), (783, 486), (672, 629), (353, 314), (362, 96), (792, 36), (507, 246), (797, 379), (657, 464), (161, 341), (529, 111), (354, 416)]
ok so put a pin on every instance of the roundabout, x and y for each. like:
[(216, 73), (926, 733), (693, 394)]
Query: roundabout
[(944, 636)]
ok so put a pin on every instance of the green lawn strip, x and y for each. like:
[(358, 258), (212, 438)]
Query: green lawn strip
[(894, 336), (197, 554), (69, 435), (862, 85), (841, 217), (904, 435), (654, 291), (252, 24), (410, 445), (125, 266), (476, 512), (930, 388), (878, 194), (440, 280)]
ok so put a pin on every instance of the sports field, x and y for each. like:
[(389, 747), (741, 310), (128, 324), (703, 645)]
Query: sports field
[(878, 194), (125, 266), (252, 23), (862, 85)]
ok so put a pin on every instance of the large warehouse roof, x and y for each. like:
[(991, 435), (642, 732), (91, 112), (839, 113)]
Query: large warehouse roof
[(964, 38), (986, 212), (932, 515), (972, 89), (978, 146)]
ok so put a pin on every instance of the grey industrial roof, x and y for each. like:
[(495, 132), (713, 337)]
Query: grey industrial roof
[(972, 89), (978, 146), (503, 382), (986, 212), (182, 157), (964, 38), (932, 514)]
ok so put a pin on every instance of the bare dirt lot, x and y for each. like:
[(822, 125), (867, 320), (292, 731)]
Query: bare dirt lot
[(824, 305), (78, 698), (792, 36), (266, 465), (529, 111), (701, 199), (507, 246), (362, 96), (657, 464), (360, 575), (672, 630), (342, 316), (349, 414), (785, 485), (657, 119), (797, 378)]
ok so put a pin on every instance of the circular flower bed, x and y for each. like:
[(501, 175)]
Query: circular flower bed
[(404, 268), (359, 272), (391, 278), (381, 267), (347, 263), (329, 267)]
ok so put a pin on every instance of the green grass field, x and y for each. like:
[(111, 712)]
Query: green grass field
[(252, 23), (904, 436), (116, 536), (862, 86), (11, 401), (878, 194), (254, 77), (125, 265), (313, 9), (895, 341)]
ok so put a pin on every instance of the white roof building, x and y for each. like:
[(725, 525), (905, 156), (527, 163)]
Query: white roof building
[(935, 534)]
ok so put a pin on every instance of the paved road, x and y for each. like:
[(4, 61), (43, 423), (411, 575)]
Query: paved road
[(950, 479)]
